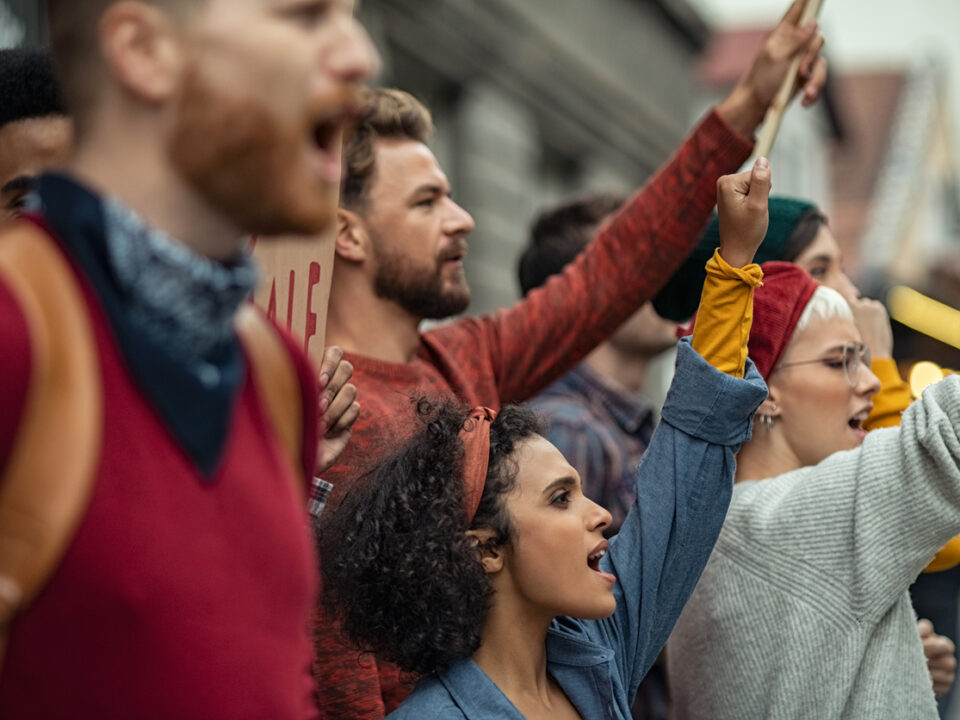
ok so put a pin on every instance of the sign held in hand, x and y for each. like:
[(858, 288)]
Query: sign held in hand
[(295, 286)]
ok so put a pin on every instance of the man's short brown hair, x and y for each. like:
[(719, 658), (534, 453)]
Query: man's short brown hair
[(384, 113), (561, 233), (75, 47)]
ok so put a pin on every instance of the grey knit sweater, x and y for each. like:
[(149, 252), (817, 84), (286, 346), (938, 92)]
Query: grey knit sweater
[(802, 610)]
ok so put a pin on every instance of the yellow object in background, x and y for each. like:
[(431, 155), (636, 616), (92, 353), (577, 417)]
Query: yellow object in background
[(924, 314), (947, 557), (923, 375)]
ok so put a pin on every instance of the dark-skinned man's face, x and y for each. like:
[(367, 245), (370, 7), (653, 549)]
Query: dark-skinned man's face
[(27, 148)]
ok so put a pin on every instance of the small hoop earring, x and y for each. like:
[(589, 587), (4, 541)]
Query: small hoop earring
[(767, 421)]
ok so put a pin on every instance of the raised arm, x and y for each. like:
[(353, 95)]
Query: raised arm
[(894, 396), (685, 479), (555, 326), (548, 333)]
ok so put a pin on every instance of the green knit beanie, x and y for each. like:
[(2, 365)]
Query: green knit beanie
[(679, 298)]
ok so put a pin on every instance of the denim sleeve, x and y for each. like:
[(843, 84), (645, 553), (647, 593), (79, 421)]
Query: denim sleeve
[(684, 484)]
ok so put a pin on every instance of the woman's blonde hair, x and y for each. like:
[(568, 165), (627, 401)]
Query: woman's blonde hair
[(825, 303)]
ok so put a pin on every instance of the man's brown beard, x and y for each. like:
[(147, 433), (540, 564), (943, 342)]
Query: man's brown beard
[(241, 159), (418, 290)]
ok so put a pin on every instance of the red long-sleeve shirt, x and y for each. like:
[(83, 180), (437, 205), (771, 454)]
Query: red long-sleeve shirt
[(512, 355)]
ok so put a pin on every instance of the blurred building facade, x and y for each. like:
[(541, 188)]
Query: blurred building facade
[(21, 23), (912, 221), (898, 194), (878, 155)]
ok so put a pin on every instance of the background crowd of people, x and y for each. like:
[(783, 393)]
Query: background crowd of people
[(443, 516)]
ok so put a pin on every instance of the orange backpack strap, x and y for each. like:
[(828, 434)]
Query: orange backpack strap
[(49, 476), (277, 384)]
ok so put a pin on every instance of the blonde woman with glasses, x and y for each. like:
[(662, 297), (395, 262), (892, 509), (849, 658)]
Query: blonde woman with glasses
[(803, 610)]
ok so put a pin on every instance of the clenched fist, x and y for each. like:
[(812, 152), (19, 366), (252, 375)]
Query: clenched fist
[(743, 214), (941, 658), (873, 320)]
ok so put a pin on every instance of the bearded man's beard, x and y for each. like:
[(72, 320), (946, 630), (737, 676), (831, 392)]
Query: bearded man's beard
[(242, 160), (418, 289)]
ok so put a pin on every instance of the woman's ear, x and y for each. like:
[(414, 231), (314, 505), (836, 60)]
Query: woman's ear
[(352, 237), (491, 555), (772, 404), (769, 411), (769, 408)]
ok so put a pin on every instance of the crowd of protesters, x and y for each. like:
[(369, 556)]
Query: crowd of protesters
[(477, 557)]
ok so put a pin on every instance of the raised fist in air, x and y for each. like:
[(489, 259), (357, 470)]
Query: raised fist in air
[(743, 214)]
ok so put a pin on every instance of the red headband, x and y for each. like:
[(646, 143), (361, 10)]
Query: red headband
[(475, 436)]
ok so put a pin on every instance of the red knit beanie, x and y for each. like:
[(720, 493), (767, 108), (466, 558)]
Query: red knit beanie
[(777, 307)]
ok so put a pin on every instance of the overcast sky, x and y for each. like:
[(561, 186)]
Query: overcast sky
[(867, 33)]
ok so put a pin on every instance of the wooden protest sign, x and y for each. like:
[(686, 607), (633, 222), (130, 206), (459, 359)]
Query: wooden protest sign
[(771, 123), (295, 285)]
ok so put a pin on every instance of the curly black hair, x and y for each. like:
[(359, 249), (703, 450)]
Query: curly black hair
[(398, 568), (27, 86)]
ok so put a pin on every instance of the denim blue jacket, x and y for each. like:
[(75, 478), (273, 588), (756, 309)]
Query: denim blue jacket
[(684, 484)]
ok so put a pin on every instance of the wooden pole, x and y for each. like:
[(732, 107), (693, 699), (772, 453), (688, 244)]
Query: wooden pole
[(771, 123)]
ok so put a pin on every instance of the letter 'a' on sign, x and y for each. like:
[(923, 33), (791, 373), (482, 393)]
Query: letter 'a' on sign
[(295, 285)]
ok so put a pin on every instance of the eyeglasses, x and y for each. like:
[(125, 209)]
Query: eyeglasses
[(853, 358)]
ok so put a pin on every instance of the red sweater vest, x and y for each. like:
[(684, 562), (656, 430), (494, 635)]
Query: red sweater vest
[(178, 598)]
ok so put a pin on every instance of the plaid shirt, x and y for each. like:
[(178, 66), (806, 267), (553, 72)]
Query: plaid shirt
[(601, 431)]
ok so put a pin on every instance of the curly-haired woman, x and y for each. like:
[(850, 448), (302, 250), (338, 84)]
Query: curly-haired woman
[(803, 610), (474, 559)]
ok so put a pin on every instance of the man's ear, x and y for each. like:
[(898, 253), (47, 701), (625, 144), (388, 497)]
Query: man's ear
[(352, 237), (491, 556), (142, 49)]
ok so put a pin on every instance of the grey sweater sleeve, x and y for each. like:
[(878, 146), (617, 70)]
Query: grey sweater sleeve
[(862, 524)]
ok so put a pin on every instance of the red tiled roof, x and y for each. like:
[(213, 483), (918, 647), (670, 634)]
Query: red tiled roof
[(728, 55)]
